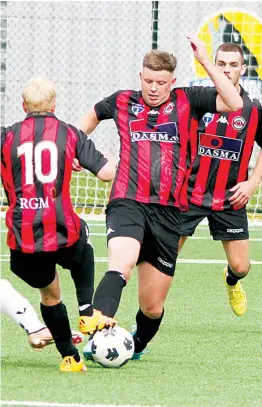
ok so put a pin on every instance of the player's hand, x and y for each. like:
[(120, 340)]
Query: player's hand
[(199, 48), (242, 193), (76, 166)]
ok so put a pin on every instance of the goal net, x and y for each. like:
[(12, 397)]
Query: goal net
[(91, 49)]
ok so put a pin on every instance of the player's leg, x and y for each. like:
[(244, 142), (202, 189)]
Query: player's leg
[(237, 252), (52, 308), (156, 268), (124, 220), (79, 259), (21, 311), (153, 289), (82, 270), (189, 222), (231, 227), (55, 315)]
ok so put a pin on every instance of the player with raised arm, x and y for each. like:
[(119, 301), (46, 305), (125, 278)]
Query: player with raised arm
[(43, 229), (218, 187), (143, 217)]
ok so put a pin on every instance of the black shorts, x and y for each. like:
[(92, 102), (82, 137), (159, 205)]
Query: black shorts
[(223, 225), (155, 226), (38, 269)]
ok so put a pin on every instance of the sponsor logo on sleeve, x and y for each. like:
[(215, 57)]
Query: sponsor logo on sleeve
[(223, 148)]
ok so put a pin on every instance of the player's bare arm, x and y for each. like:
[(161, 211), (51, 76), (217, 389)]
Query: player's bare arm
[(244, 190), (89, 121), (107, 173), (228, 98)]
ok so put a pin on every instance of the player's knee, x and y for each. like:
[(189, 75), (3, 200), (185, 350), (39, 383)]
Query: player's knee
[(123, 265), (240, 269), (50, 297), (153, 311)]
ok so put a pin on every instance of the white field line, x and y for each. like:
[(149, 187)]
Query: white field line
[(251, 239), (46, 404), (5, 257)]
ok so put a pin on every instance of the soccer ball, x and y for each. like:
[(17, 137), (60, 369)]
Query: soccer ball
[(112, 347)]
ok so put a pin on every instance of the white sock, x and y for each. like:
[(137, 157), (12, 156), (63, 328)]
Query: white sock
[(18, 308)]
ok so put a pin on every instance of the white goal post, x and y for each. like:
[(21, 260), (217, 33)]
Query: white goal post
[(91, 49)]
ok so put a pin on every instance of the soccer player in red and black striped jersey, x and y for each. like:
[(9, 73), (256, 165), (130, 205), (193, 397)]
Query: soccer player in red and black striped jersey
[(143, 217), (218, 187), (43, 229)]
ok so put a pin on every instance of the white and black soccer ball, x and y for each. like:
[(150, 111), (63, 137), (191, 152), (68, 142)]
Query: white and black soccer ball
[(112, 347)]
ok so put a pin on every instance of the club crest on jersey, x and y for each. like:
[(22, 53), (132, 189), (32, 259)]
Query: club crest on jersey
[(169, 108), (137, 108), (223, 148), (140, 130), (238, 123), (208, 118)]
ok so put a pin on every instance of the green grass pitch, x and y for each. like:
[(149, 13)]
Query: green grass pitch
[(202, 356)]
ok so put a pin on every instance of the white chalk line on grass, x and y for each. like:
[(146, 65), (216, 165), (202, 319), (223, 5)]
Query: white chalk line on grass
[(251, 239), (46, 404), (6, 257)]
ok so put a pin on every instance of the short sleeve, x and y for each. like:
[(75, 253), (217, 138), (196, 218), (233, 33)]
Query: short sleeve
[(202, 99), (105, 109), (87, 154)]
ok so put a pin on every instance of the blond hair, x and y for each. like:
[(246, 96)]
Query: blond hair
[(39, 95), (160, 61)]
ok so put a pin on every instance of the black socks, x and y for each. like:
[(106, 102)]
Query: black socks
[(83, 277), (146, 330), (231, 278), (108, 293), (56, 320)]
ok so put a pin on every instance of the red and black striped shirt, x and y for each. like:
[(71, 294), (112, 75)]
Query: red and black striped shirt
[(223, 144), (36, 157), (154, 142)]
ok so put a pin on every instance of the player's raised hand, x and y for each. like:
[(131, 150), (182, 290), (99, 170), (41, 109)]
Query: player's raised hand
[(199, 48)]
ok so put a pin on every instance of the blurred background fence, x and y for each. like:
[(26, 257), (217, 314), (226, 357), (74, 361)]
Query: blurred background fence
[(91, 49)]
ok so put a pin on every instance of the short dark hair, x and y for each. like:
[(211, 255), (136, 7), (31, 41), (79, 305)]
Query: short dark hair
[(160, 61), (230, 47)]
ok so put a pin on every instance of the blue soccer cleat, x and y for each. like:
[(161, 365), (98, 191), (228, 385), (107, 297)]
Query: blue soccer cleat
[(87, 352), (139, 355)]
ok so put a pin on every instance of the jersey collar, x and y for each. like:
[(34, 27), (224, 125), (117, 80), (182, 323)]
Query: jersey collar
[(40, 114)]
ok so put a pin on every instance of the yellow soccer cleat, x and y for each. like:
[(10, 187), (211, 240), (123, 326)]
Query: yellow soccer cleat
[(69, 364), (236, 295), (97, 322)]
